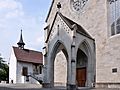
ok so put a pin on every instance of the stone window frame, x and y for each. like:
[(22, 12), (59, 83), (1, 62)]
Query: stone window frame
[(78, 6), (114, 70), (114, 6), (115, 27), (24, 71), (40, 69)]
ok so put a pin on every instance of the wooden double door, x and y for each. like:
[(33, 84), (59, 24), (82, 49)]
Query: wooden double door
[(81, 76)]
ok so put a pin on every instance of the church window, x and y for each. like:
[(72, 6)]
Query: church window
[(118, 26), (78, 5), (40, 69), (114, 70), (24, 71), (35, 69), (114, 6), (113, 29)]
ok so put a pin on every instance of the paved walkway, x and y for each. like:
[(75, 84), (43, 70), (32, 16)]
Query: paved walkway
[(37, 87)]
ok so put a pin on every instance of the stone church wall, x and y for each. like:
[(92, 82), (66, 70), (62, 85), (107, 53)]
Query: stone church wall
[(94, 19), (60, 69)]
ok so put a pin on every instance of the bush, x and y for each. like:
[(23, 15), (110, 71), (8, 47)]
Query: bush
[(4, 70), (3, 75)]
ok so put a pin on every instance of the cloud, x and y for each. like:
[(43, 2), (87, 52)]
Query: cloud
[(13, 18), (9, 11), (14, 14), (10, 4), (10, 8)]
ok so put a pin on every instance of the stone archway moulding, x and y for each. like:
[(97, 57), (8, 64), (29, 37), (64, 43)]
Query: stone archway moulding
[(69, 42), (56, 48)]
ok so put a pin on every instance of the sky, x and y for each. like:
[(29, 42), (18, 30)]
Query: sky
[(28, 15)]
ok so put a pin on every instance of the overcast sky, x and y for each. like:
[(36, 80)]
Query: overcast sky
[(28, 15)]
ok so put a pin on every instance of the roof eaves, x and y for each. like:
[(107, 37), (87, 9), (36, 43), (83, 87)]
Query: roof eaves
[(64, 19), (49, 10), (29, 61), (85, 35), (51, 27), (70, 26)]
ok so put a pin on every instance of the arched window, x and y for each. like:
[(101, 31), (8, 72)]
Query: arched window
[(114, 6)]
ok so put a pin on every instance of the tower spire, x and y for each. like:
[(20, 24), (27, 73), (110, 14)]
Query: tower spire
[(21, 43)]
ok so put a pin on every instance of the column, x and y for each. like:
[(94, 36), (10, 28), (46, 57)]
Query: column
[(73, 61), (45, 83)]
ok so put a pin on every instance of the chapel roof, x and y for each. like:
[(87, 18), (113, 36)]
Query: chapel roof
[(27, 55), (49, 10)]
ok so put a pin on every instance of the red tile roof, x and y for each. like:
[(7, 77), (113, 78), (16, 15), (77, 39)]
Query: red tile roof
[(26, 55)]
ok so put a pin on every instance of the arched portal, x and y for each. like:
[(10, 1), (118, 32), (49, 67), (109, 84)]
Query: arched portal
[(66, 36), (59, 65), (81, 68), (60, 70), (84, 75)]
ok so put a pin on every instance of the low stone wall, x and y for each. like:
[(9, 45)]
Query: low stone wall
[(3, 82), (107, 85), (59, 84), (5, 88), (20, 86)]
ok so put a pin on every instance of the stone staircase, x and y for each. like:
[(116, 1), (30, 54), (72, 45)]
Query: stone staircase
[(37, 77)]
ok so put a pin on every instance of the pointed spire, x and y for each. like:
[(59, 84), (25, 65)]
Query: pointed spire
[(21, 43)]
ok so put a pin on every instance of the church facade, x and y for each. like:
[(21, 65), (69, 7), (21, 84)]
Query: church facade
[(86, 33)]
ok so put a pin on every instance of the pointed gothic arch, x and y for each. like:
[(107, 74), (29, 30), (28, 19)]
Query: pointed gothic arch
[(83, 65), (71, 38), (59, 46), (85, 46)]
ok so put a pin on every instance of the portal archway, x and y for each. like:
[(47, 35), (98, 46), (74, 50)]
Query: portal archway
[(83, 60), (59, 73), (60, 70), (66, 36), (81, 68)]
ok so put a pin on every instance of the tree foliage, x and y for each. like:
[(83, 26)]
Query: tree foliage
[(4, 70)]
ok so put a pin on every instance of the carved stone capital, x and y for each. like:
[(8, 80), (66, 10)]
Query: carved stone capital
[(74, 27)]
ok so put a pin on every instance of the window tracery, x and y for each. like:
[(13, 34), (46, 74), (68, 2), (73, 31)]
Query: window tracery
[(111, 1), (114, 6), (78, 4)]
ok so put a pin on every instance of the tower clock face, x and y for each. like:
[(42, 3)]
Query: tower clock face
[(78, 4)]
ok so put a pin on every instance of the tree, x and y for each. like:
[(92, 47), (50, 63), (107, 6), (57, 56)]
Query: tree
[(1, 62), (4, 70)]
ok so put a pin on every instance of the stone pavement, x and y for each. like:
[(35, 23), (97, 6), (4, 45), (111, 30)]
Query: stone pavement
[(37, 87)]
